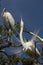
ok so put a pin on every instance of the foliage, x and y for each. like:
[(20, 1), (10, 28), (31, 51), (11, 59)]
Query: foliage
[(6, 59)]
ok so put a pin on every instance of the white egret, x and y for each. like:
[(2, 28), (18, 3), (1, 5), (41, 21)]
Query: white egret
[(8, 19), (39, 38), (29, 47)]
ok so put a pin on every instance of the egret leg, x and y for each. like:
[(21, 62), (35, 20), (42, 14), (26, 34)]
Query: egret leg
[(9, 35)]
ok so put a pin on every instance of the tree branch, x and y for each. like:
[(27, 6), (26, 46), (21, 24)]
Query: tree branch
[(8, 44)]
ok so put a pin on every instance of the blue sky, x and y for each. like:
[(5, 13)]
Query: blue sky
[(30, 10)]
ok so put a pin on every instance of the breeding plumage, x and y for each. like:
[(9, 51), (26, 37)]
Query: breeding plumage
[(38, 37), (29, 47)]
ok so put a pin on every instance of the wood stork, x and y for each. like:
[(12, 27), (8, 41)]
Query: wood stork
[(29, 47)]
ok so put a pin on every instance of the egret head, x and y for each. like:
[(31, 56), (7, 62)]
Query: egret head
[(21, 23), (4, 10)]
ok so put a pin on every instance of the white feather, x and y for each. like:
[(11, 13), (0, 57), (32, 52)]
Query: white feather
[(38, 37), (8, 19), (30, 45)]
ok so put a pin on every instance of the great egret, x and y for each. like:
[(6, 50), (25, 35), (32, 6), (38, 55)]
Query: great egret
[(39, 38), (8, 19), (28, 47)]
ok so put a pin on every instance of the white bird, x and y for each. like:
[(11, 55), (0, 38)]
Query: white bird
[(38, 37), (28, 47), (9, 22), (8, 19)]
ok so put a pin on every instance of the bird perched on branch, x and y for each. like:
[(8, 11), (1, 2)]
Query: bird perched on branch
[(9, 22), (29, 47), (8, 19)]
